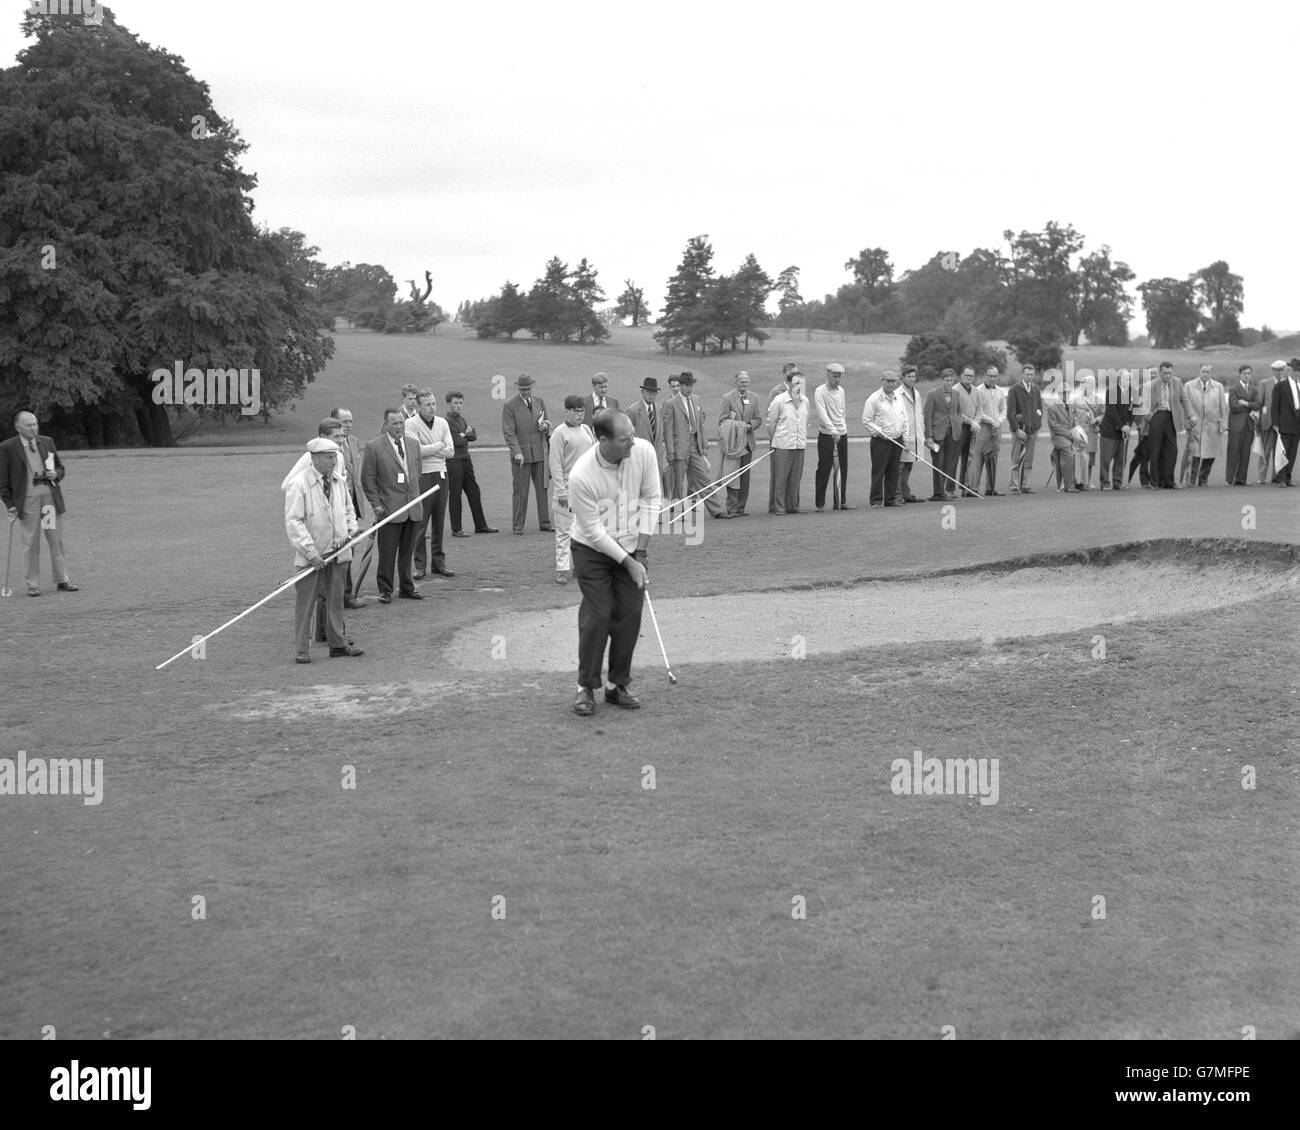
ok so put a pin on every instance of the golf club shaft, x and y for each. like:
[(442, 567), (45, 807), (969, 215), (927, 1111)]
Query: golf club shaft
[(658, 635), (710, 491), (922, 459)]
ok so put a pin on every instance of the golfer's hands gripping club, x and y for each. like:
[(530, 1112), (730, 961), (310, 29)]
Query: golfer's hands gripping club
[(640, 574)]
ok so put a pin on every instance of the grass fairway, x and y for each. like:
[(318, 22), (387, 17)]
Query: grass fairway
[(624, 906)]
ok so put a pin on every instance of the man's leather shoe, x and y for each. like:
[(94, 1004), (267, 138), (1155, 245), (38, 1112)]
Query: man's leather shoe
[(337, 652), (936, 498), (846, 506), (993, 494), (720, 514), (562, 576), (1026, 490), (741, 514), (419, 576), (821, 508), (519, 532), (302, 657), (584, 703), (891, 504), (414, 594), (443, 572), (385, 598), (545, 529), (797, 510), (37, 592), (352, 602), (621, 696), (68, 586), (459, 534), (488, 530)]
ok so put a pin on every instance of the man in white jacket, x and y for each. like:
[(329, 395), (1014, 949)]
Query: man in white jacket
[(318, 518)]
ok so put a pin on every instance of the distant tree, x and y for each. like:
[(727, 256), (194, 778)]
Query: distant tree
[(1222, 296), (1266, 334), (932, 353), (787, 282), (1036, 345), (551, 306), (753, 285), (361, 294), (631, 303), (586, 292), (958, 323), (683, 321), (510, 313), (1172, 315), (874, 273), (1104, 307), (1043, 282)]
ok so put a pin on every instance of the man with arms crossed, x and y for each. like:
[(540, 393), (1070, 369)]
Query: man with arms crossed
[(615, 499)]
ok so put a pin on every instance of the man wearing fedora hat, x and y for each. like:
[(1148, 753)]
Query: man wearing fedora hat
[(526, 428), (647, 421), (687, 446)]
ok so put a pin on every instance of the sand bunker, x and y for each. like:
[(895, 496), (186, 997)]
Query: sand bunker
[(980, 604)]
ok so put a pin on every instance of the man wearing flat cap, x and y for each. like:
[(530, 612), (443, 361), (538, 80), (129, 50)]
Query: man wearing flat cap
[(319, 518), (526, 429), (832, 439)]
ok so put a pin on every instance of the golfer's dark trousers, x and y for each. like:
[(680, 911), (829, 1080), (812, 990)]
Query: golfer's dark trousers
[(1162, 449), (1201, 470), (826, 445), (738, 488), (884, 470), (396, 540), (945, 460), (1140, 462), (460, 479), (435, 515), (1111, 471), (610, 613), (521, 474)]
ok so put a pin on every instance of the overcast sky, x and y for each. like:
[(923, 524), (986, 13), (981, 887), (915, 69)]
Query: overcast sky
[(478, 139)]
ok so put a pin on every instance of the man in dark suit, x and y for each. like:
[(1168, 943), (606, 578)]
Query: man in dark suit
[(30, 473), (390, 477), (741, 404), (1244, 403), (648, 424), (1116, 427), (942, 420), (687, 445), (599, 399), (1286, 417), (526, 428), (460, 470), (1025, 414), (1168, 413)]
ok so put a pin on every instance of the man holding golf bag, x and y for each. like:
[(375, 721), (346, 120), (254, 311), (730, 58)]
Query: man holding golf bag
[(614, 493), (30, 473)]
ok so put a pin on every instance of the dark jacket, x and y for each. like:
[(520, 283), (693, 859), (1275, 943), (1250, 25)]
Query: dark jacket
[(16, 473)]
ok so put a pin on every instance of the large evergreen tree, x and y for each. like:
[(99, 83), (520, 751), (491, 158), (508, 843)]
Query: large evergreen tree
[(127, 242), (684, 321)]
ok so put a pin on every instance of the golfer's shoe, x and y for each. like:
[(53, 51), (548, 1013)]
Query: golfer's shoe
[(584, 703), (562, 576), (32, 590), (621, 696), (302, 657), (68, 586), (352, 602), (338, 652)]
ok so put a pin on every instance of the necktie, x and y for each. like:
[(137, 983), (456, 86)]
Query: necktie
[(325, 485), (652, 423), (528, 403), (31, 446), (601, 408), (690, 414)]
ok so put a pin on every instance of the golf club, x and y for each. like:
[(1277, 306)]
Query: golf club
[(835, 473), (9, 557), (650, 605)]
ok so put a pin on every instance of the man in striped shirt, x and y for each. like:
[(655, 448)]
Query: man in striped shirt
[(614, 495)]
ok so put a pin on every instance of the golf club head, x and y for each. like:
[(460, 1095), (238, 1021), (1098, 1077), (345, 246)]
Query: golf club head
[(672, 678)]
